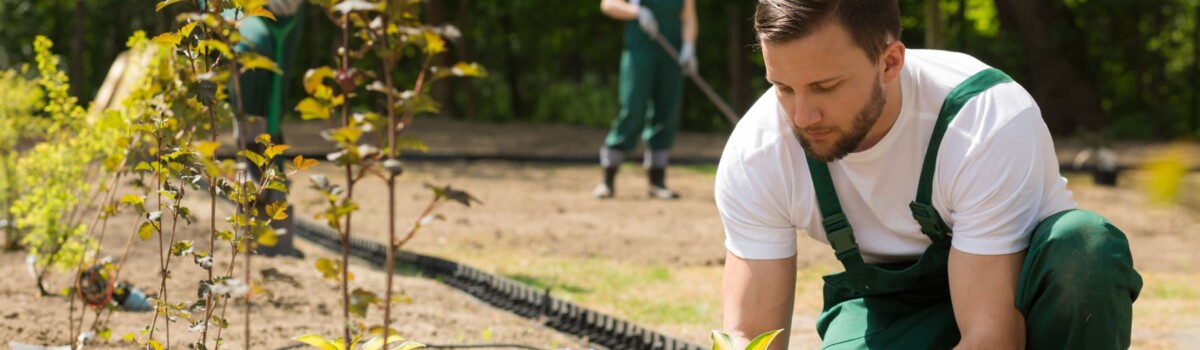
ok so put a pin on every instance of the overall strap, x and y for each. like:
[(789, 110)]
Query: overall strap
[(922, 208), (837, 228)]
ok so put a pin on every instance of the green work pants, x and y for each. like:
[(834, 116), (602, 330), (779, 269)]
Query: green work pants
[(1076, 291), (649, 79)]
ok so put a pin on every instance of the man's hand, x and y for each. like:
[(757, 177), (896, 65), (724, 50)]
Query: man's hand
[(687, 59), (647, 22), (983, 291)]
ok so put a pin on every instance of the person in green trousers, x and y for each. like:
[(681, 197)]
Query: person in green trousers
[(263, 94), (651, 82), (932, 177)]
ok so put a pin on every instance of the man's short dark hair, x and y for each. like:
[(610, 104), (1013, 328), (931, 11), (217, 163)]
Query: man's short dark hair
[(872, 23)]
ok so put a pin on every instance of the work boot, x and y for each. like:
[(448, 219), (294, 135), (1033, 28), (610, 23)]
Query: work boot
[(658, 184), (605, 189)]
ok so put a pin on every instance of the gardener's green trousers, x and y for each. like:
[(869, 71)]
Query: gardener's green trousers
[(1076, 291), (649, 79)]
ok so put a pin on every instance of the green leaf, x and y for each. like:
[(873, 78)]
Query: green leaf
[(104, 334), (319, 342), (721, 341), (423, 103), (255, 158), (165, 3), (143, 166), (278, 186), (309, 108), (411, 143), (156, 345), (360, 301), (181, 248), (762, 341), (250, 60), (145, 231)]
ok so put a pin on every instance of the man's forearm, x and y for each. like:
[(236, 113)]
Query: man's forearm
[(983, 292), (757, 297)]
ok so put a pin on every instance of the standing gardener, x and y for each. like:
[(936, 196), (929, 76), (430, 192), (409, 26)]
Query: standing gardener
[(933, 178), (649, 78)]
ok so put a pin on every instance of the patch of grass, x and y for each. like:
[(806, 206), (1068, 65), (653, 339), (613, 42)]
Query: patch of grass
[(705, 169), (1159, 287)]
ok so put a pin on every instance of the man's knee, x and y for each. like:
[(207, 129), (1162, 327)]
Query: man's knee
[(1083, 251)]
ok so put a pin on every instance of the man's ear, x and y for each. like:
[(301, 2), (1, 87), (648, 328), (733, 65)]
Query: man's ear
[(892, 61)]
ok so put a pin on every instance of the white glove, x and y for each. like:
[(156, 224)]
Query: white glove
[(687, 58), (282, 8), (647, 22)]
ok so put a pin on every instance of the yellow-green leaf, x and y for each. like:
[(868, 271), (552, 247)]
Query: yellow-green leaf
[(156, 345), (277, 210), (721, 341), (309, 108), (250, 61), (186, 30), (411, 143), (433, 43), (146, 231), (255, 158), (275, 150), (132, 199), (207, 148), (318, 342), (261, 12), (328, 268), (168, 38), (377, 343), (315, 77), (207, 45), (267, 237), (165, 3), (304, 163), (409, 345), (762, 341), (464, 69)]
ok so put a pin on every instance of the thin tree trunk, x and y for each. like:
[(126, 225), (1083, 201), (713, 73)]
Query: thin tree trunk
[(1057, 69), (933, 24)]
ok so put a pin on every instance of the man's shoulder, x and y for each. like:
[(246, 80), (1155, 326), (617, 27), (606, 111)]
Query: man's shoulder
[(762, 129)]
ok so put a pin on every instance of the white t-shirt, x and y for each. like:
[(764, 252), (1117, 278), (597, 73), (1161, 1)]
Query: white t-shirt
[(997, 175)]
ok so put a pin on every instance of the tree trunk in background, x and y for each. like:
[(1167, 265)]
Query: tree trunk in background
[(1068, 99), (962, 25), (738, 83), (933, 24), (512, 68), (1195, 71), (442, 92), (467, 86), (77, 78)]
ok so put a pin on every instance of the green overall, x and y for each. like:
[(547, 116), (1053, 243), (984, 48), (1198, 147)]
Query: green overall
[(649, 77), (1075, 290)]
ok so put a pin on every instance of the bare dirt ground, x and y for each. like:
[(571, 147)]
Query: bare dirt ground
[(653, 262)]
